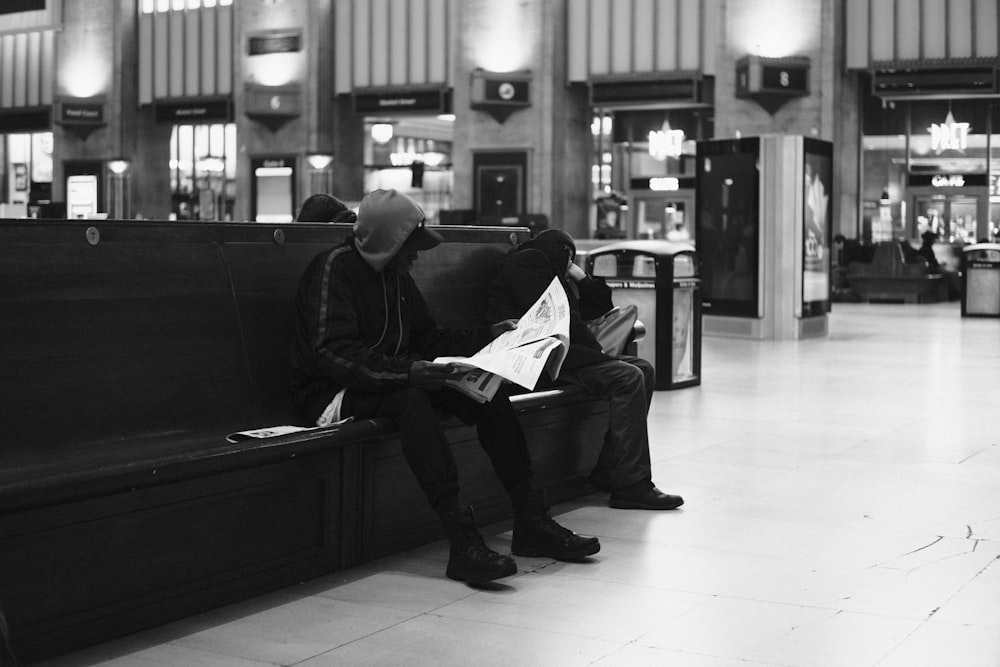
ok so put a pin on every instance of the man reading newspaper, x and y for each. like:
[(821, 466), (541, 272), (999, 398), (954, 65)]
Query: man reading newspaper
[(363, 341)]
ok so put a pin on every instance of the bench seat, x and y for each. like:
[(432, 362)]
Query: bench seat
[(890, 278), (131, 349)]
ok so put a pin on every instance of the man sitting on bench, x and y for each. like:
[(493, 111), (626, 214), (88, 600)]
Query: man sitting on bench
[(363, 338)]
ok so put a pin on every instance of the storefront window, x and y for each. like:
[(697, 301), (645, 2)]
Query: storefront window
[(203, 171), (643, 171), (28, 173), (928, 166)]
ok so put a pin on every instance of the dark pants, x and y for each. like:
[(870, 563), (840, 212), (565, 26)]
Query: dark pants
[(627, 384), (417, 412)]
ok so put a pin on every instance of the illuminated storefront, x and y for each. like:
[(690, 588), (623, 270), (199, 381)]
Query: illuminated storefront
[(931, 165), (646, 159)]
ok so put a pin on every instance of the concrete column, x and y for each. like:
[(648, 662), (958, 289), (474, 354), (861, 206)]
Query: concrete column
[(87, 61)]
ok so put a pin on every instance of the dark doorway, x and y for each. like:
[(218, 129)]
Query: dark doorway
[(499, 184)]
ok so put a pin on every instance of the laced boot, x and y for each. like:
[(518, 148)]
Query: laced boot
[(537, 534), (470, 559)]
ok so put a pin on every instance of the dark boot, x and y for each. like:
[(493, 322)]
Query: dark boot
[(471, 560), (537, 534)]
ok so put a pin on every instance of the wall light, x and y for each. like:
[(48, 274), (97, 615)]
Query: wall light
[(118, 167), (498, 40), (319, 161), (382, 133)]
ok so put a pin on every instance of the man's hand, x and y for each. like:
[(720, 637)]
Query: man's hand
[(500, 327), (575, 273), (431, 376)]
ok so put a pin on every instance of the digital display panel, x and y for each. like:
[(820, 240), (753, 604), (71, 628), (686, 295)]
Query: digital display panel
[(816, 215), (727, 233)]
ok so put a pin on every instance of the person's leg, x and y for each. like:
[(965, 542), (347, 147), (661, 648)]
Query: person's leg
[(535, 531), (623, 466), (429, 456), (624, 459)]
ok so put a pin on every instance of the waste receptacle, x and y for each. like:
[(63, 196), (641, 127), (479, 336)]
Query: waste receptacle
[(981, 280), (662, 280)]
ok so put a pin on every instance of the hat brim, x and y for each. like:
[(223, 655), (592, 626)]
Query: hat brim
[(422, 238)]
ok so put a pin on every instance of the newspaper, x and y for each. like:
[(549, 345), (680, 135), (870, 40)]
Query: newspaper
[(276, 431), (540, 342)]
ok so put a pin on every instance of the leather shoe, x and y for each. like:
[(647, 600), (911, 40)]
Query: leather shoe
[(643, 498)]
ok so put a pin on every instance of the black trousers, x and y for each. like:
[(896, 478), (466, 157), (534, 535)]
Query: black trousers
[(417, 412), (627, 384)]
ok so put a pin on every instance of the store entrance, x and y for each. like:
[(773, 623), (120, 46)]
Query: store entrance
[(955, 217)]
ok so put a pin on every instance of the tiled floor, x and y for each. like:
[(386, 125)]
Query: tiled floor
[(843, 508)]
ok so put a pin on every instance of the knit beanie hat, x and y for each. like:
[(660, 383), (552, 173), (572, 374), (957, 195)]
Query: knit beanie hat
[(388, 220)]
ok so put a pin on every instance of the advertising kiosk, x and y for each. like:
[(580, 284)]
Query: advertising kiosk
[(763, 236)]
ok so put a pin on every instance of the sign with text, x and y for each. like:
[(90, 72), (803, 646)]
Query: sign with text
[(219, 111), (263, 44), (401, 101), (948, 180), (85, 112)]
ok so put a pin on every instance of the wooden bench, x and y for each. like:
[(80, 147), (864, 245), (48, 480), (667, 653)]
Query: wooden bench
[(890, 278), (131, 349)]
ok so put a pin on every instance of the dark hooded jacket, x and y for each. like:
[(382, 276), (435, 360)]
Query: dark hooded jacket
[(525, 274), (358, 328)]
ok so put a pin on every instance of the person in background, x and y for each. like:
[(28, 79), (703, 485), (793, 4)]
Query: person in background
[(926, 250), (364, 338), (324, 208), (626, 382)]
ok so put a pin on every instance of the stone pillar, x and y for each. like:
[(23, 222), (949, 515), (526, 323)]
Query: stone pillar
[(518, 35), (272, 136), (829, 112), (88, 56)]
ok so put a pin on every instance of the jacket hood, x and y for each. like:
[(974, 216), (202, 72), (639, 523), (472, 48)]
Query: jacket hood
[(388, 220)]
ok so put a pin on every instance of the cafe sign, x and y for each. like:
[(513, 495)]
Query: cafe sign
[(949, 135)]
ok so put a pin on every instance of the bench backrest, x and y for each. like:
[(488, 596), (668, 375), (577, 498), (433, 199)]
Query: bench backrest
[(114, 331)]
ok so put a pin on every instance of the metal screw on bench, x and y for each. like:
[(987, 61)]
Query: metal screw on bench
[(279, 236), (93, 235)]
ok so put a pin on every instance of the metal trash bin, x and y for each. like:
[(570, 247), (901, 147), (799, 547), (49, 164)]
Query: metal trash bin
[(981, 280), (662, 280)]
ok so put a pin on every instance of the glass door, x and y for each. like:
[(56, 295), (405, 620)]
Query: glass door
[(664, 216), (954, 218)]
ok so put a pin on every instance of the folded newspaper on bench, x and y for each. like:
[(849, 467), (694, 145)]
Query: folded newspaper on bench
[(276, 431), (540, 342)]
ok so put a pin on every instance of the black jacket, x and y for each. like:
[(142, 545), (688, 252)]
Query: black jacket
[(523, 277), (356, 328)]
